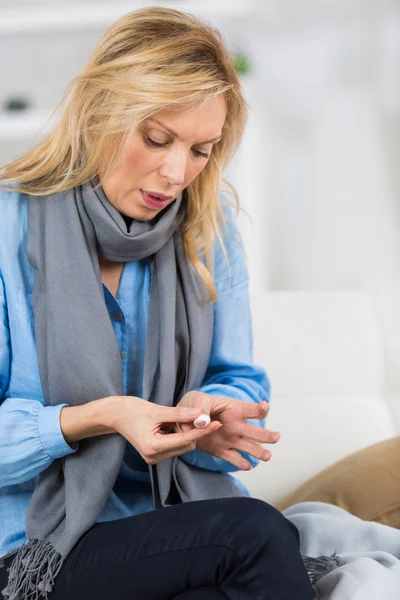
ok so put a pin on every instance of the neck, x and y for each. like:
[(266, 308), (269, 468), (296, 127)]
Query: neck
[(128, 220)]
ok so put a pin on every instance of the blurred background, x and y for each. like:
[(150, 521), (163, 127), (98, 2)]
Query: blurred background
[(317, 172)]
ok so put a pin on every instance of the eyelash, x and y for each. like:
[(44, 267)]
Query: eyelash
[(154, 144)]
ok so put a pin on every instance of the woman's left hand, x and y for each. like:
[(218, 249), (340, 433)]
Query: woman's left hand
[(236, 433)]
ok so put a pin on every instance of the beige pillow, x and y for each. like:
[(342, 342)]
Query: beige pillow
[(366, 484)]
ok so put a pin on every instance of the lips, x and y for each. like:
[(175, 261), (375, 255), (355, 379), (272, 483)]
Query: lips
[(158, 196), (154, 200)]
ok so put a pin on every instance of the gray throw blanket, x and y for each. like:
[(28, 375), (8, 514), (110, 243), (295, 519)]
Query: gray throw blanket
[(79, 361), (354, 559)]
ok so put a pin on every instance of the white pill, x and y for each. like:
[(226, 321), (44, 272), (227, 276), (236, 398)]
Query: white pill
[(202, 421)]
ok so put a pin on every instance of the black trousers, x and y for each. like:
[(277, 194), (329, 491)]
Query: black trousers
[(228, 549)]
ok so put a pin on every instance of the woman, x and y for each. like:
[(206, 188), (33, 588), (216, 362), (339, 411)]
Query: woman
[(122, 322)]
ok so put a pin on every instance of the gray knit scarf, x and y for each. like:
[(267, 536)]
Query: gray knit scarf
[(79, 361)]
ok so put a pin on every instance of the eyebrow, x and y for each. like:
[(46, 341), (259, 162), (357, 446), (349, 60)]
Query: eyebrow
[(216, 139)]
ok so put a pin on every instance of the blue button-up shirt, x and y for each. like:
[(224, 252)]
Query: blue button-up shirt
[(30, 433)]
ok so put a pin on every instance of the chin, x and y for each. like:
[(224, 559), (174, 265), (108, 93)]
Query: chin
[(141, 214)]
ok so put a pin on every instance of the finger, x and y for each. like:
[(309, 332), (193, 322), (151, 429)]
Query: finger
[(200, 400), (242, 408), (182, 427), (256, 433), (176, 452), (263, 408), (173, 441), (204, 401), (235, 459), (249, 410), (177, 414), (253, 449)]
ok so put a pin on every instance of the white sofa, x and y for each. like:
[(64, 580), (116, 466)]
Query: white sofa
[(332, 358)]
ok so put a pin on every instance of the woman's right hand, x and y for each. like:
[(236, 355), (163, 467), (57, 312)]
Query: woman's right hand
[(146, 426)]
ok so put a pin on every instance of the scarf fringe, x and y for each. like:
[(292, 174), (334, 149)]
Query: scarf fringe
[(318, 566), (33, 571)]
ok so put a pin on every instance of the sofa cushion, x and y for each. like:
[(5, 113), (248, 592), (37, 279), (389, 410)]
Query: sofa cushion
[(365, 483)]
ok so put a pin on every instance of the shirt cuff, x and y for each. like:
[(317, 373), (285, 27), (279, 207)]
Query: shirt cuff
[(50, 432)]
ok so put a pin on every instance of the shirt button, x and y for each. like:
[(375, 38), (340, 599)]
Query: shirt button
[(118, 316), (122, 354)]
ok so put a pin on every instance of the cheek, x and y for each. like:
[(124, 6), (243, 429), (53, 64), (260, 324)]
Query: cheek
[(140, 161), (192, 171)]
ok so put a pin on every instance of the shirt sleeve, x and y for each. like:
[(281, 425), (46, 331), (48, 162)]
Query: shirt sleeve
[(30, 433), (231, 371)]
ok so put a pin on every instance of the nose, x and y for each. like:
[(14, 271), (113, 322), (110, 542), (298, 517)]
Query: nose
[(173, 167)]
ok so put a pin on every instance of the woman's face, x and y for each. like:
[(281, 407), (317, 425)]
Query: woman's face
[(167, 153)]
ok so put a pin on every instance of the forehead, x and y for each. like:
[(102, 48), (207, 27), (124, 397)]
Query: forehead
[(202, 123)]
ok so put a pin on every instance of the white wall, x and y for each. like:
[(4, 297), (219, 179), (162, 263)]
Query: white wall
[(317, 171), (328, 108)]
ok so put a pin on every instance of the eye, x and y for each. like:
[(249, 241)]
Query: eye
[(154, 144), (200, 154)]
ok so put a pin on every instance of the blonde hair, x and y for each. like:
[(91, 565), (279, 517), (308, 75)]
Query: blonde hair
[(150, 60)]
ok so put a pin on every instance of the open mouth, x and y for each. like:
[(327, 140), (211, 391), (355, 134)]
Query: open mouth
[(153, 201)]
